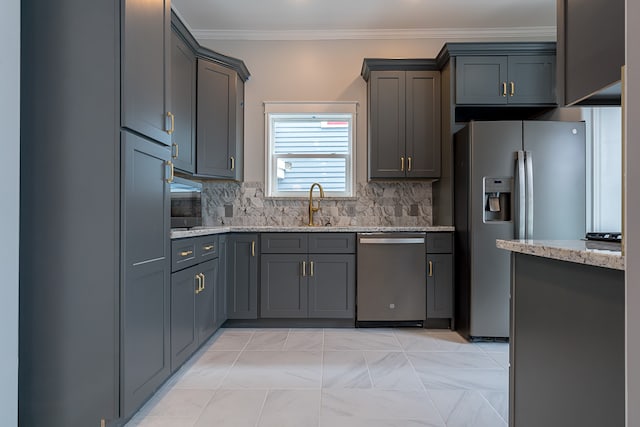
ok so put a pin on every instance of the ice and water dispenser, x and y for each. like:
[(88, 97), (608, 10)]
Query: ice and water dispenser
[(497, 199)]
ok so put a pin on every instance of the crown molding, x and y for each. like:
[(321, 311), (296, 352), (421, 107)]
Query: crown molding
[(537, 33)]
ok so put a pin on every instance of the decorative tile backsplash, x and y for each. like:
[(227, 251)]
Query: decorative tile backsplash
[(375, 204)]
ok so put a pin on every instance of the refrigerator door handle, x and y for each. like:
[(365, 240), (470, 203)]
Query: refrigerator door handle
[(529, 167), (520, 188)]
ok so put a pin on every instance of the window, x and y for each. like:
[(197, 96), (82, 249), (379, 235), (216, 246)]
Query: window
[(309, 143)]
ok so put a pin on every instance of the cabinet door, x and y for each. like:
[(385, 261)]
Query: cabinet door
[(532, 79), (481, 80), (439, 286), (423, 124), (221, 285), (283, 285), (205, 300), (145, 328), (145, 68), (184, 335), (216, 122), (242, 276), (332, 286), (387, 158), (183, 104)]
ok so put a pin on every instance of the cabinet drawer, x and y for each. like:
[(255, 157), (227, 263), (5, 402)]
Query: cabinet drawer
[(183, 253), (332, 243), (283, 243), (439, 243), (207, 247)]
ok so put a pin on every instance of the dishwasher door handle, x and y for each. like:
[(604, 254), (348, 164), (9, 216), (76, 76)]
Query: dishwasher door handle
[(391, 241)]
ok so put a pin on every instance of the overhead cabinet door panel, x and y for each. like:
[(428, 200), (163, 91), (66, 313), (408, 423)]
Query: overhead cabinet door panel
[(481, 80), (145, 68), (183, 104), (423, 124), (532, 79)]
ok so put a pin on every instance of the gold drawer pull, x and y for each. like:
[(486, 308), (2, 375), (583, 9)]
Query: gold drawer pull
[(504, 88), (430, 269), (186, 253), (253, 248), (199, 288), (208, 247), (513, 88)]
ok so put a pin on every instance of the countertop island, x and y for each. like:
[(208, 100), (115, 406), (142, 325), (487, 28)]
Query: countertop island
[(567, 333)]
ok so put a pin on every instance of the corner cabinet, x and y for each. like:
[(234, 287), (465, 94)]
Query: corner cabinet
[(404, 119), (220, 121), (500, 80)]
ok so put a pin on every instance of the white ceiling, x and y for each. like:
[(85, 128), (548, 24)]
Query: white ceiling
[(336, 19)]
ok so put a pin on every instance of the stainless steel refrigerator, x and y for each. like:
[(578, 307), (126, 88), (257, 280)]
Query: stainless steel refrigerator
[(512, 180)]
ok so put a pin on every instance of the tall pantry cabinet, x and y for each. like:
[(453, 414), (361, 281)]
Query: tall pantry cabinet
[(94, 242)]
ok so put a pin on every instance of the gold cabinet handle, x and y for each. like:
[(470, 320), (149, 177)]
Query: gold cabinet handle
[(304, 268), (253, 248), (233, 163), (186, 253), (171, 172), (311, 268), (504, 88), (203, 282), (430, 269), (512, 85), (199, 288), (175, 151), (208, 247), (409, 162), (401, 164), (173, 122)]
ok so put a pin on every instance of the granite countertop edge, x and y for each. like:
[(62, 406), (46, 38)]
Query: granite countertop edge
[(204, 231), (600, 254)]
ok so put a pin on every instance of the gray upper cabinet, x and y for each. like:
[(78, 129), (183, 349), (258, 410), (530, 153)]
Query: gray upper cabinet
[(591, 51), (183, 104), (404, 124), (500, 80), (220, 121), (242, 276), (145, 68), (145, 309)]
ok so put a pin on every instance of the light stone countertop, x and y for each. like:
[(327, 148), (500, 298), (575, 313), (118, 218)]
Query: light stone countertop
[(203, 231), (599, 254)]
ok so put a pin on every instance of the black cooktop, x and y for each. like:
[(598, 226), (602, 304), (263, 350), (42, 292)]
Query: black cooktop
[(605, 236)]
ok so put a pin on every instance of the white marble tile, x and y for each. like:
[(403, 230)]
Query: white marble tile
[(464, 379), (181, 403), (304, 340), (232, 339), (499, 401), (267, 340), (233, 408), (208, 371), (501, 358), (379, 404), (356, 340), (392, 371), (452, 341), (291, 408), (276, 369), (417, 341), (343, 421), (452, 359), (151, 421), (494, 347), (345, 369), (465, 409)]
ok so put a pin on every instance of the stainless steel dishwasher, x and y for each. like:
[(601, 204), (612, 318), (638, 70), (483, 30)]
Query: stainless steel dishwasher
[(392, 276)]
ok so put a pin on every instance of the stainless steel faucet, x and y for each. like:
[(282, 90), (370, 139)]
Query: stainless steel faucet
[(312, 208)]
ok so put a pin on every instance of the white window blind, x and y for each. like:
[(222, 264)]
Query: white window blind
[(306, 147)]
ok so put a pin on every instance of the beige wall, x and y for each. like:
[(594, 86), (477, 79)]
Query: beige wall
[(327, 70)]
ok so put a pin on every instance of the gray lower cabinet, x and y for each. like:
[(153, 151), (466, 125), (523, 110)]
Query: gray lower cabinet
[(183, 104), (501, 80), (145, 68), (184, 335), (404, 124), (145, 252), (242, 276), (440, 283), (205, 300), (308, 275), (221, 290), (220, 121)]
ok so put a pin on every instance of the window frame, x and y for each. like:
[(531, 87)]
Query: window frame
[(324, 110)]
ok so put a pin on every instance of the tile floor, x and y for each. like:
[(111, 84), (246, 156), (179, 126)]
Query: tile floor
[(335, 378)]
